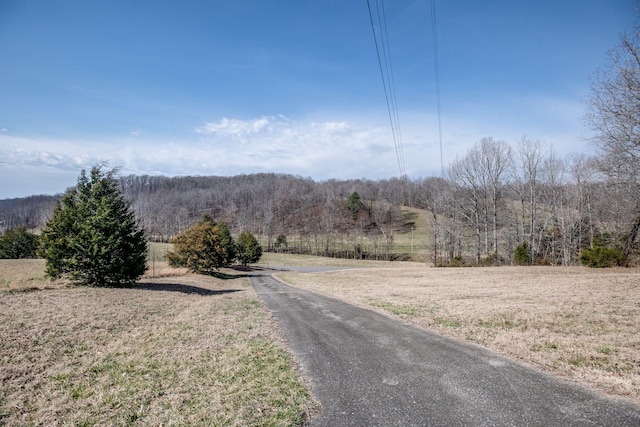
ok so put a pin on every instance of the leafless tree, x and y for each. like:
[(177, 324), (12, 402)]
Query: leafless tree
[(527, 163), (496, 159), (614, 117)]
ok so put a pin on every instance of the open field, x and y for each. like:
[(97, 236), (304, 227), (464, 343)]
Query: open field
[(22, 274), (179, 350), (184, 349), (576, 323)]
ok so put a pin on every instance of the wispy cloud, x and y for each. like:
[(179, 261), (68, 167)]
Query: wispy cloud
[(19, 151), (235, 127), (353, 147), (321, 149)]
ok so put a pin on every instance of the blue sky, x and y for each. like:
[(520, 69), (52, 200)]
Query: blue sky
[(225, 88)]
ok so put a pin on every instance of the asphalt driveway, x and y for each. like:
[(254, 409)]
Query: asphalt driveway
[(368, 369)]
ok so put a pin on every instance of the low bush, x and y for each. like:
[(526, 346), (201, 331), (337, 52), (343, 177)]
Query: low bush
[(203, 248), (522, 254), (18, 243), (492, 260), (601, 257), (456, 261)]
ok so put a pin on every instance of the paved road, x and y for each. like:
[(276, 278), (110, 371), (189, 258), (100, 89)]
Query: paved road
[(368, 369)]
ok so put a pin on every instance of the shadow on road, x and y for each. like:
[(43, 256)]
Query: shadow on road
[(248, 271), (185, 289)]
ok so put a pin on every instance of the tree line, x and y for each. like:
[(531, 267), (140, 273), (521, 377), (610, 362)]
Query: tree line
[(497, 198), (489, 201)]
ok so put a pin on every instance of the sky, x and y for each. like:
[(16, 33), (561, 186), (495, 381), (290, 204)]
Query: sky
[(247, 86)]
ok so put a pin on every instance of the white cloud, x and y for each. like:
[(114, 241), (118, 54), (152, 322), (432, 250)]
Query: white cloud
[(281, 144), (352, 147), (321, 149), (235, 127)]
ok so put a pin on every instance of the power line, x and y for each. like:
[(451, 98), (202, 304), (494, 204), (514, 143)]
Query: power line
[(393, 115), (436, 65), (394, 98)]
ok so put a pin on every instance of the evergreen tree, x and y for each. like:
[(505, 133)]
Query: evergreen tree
[(281, 242), (353, 204), (93, 237), (204, 247), (18, 243), (249, 250), (522, 254)]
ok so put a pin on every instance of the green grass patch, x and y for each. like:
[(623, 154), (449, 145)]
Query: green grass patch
[(399, 309), (578, 360), (605, 349), (502, 321), (544, 346), (447, 322)]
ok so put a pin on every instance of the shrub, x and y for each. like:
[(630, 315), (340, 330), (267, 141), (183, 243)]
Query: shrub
[(456, 261), (248, 248), (522, 254), (601, 256), (491, 260), (93, 237), (203, 248), (281, 242), (18, 243)]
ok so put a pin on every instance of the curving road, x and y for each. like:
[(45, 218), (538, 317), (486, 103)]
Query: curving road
[(367, 369)]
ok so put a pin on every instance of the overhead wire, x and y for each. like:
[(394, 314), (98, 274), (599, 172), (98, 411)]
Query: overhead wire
[(392, 84), (436, 65), (388, 93)]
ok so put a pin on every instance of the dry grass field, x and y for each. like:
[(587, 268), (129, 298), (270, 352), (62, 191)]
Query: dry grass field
[(176, 350), (185, 349), (576, 323)]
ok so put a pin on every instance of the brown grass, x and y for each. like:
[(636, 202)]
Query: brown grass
[(173, 351), (25, 274), (277, 259), (577, 323)]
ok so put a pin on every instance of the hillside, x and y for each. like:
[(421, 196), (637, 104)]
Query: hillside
[(475, 222)]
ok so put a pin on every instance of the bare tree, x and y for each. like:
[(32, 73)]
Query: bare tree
[(496, 159), (583, 172), (552, 230), (527, 165), (470, 196), (614, 116)]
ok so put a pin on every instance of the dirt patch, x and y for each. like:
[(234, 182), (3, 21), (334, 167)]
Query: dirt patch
[(577, 323)]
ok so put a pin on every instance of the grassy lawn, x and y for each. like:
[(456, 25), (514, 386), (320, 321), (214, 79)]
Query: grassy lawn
[(176, 350), (577, 323)]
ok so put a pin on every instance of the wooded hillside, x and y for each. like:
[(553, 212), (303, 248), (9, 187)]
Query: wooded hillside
[(488, 203)]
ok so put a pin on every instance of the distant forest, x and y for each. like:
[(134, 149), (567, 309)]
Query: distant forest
[(488, 202)]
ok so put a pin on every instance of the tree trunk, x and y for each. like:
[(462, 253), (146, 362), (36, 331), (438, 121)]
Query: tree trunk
[(633, 234)]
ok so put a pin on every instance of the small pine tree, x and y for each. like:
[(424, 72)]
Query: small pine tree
[(249, 250), (522, 254), (93, 237), (18, 243), (204, 247), (353, 204), (281, 242)]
